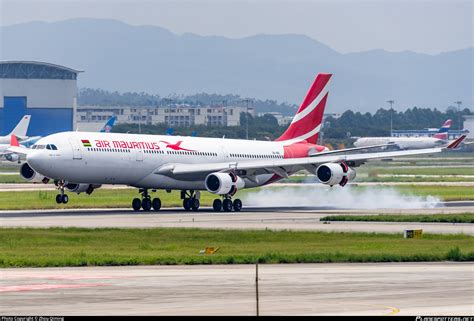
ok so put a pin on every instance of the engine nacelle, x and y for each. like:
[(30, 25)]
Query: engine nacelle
[(335, 173), (81, 188), (12, 157), (223, 183), (31, 175)]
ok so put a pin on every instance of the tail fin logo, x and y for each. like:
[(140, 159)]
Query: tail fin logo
[(306, 124), (443, 131)]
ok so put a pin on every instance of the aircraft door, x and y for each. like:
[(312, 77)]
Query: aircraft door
[(76, 148), (139, 155), (224, 155)]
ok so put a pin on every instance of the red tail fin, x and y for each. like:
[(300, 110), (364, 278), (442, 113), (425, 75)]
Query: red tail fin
[(306, 124), (14, 141), (455, 143)]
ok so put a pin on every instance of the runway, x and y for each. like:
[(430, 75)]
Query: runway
[(297, 219), (299, 289)]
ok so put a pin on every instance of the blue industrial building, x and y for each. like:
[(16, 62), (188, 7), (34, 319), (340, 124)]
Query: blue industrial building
[(47, 92)]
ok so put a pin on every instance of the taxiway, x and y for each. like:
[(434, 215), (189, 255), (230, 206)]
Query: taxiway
[(298, 289), (304, 218)]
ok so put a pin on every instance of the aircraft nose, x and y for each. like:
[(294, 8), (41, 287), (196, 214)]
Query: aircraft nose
[(36, 160)]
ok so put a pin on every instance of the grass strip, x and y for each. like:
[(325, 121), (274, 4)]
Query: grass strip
[(433, 218), (30, 247)]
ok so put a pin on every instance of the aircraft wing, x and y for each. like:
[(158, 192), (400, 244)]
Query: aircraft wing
[(280, 166), (352, 149), (284, 166)]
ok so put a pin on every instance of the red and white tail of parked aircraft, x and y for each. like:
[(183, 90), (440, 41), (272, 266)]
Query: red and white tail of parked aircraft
[(81, 162), (439, 139)]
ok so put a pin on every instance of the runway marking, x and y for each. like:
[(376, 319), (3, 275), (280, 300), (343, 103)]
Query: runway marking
[(68, 277), (394, 310), (37, 287)]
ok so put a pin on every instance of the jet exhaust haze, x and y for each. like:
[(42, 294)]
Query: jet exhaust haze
[(347, 197)]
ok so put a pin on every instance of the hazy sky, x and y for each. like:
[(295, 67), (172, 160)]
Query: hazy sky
[(346, 26)]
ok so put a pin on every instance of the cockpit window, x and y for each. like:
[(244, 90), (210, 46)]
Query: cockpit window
[(51, 147), (41, 147)]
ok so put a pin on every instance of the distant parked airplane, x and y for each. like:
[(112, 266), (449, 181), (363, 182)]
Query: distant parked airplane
[(30, 141), (437, 140), (19, 131)]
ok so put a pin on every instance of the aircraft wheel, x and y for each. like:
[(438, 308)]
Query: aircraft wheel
[(136, 204), (59, 199), (194, 204), (227, 205), (237, 205), (146, 204), (64, 199), (217, 205), (187, 204), (156, 204)]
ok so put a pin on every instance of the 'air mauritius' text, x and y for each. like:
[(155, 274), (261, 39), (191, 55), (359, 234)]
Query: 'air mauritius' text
[(124, 144)]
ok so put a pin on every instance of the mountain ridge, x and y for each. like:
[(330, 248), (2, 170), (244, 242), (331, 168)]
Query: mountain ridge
[(122, 57)]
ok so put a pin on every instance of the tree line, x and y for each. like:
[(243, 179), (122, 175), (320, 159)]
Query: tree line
[(100, 97), (341, 129), (349, 124)]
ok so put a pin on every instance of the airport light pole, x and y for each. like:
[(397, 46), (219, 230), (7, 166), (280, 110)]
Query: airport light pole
[(459, 103), (139, 121), (247, 119), (391, 102)]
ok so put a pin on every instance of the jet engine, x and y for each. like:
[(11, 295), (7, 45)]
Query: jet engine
[(81, 188), (12, 157), (29, 174), (335, 173), (223, 183)]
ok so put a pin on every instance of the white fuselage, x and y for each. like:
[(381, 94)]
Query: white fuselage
[(129, 159), (401, 142)]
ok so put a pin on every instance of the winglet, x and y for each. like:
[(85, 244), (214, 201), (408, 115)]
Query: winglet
[(455, 143), (14, 141)]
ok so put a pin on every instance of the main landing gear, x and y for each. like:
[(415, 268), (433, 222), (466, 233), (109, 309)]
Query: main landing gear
[(61, 198), (147, 203), (227, 205), (191, 200)]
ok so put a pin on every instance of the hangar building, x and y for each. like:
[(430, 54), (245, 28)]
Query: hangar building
[(45, 91)]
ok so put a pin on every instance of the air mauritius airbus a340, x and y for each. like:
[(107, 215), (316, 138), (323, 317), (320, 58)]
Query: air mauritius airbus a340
[(81, 162)]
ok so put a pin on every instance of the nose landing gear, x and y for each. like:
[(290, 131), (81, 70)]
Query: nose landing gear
[(61, 198), (227, 205), (146, 203)]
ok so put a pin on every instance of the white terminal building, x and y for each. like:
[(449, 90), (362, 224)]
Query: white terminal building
[(469, 125), (92, 118)]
